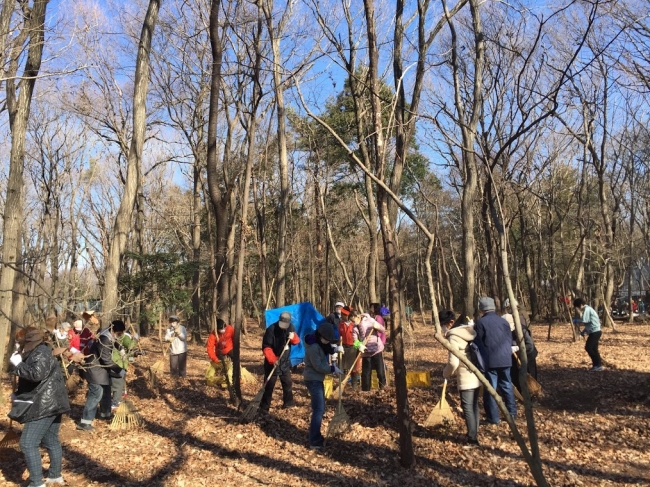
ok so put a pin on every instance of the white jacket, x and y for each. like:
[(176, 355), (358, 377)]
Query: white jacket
[(459, 337), (179, 342)]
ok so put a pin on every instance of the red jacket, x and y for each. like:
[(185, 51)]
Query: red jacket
[(220, 345), (345, 330), (74, 341)]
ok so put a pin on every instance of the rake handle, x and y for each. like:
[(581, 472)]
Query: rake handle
[(277, 362), (356, 360), (444, 392)]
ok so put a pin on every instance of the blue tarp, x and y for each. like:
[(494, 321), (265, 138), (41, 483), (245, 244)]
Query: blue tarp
[(305, 319)]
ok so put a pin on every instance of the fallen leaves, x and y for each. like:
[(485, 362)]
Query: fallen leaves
[(592, 428)]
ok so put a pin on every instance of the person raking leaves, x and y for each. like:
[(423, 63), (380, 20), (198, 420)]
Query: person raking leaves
[(219, 348), (273, 344), (176, 334), (318, 347), (589, 318), (39, 403), (460, 333)]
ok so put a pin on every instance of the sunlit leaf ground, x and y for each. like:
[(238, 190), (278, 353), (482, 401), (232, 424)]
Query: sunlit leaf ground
[(593, 428)]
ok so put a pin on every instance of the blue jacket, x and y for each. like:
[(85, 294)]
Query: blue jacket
[(495, 340)]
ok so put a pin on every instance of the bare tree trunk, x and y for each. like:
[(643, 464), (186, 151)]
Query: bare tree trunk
[(18, 103), (196, 252), (275, 34), (218, 198), (243, 221), (469, 168), (123, 220)]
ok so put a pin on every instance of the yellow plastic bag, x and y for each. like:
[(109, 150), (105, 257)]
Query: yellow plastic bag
[(374, 382), (328, 383), (418, 378), (214, 376)]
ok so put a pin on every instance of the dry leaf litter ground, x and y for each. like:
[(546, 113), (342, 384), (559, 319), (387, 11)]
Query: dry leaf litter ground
[(593, 428)]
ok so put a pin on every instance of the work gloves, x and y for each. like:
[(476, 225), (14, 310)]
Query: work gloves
[(336, 370), (339, 349), (291, 335), (376, 326), (584, 333), (515, 348), (15, 359)]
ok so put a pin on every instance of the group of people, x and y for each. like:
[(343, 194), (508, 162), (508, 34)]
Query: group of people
[(358, 338), (41, 398), (497, 342)]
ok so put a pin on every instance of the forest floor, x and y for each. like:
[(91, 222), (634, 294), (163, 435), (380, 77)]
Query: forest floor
[(593, 427)]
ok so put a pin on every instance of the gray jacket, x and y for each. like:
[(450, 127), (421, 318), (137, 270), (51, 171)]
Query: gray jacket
[(316, 361)]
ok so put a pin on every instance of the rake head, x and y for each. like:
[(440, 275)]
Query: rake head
[(126, 417), (339, 423)]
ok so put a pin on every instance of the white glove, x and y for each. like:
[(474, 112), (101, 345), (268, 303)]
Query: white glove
[(122, 353), (15, 359), (286, 347), (136, 336), (362, 348), (73, 350), (377, 326), (291, 335), (334, 358), (515, 349), (337, 371), (339, 349)]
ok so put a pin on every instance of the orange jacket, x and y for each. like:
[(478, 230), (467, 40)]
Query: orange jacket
[(220, 345), (345, 330)]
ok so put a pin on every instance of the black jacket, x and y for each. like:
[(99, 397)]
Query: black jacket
[(99, 365), (40, 378), (275, 339)]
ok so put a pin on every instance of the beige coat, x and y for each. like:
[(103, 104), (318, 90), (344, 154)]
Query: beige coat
[(459, 337)]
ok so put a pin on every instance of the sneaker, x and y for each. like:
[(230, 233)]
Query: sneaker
[(316, 447), (85, 427), (597, 368), (106, 417), (56, 481), (289, 405), (472, 443)]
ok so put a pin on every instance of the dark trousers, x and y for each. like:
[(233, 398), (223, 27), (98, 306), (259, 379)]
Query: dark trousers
[(469, 402), (97, 394), (178, 364), (368, 364), (44, 432), (317, 393), (287, 388), (592, 348)]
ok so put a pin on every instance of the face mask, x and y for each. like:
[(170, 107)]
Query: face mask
[(283, 325)]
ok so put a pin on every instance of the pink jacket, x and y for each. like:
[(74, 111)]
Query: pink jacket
[(362, 330)]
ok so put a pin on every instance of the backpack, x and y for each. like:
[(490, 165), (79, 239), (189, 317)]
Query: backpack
[(476, 357)]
